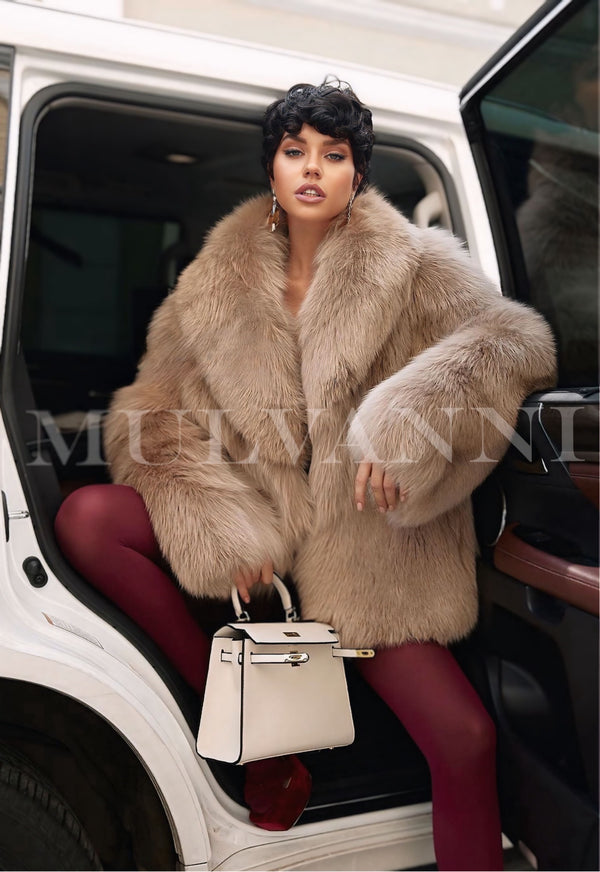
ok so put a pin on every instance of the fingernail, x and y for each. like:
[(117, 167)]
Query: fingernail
[(359, 506), (382, 509), (391, 508)]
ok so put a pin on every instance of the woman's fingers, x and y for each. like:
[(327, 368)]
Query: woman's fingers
[(244, 579), (390, 490), (360, 483), (385, 490), (379, 494), (266, 572), (241, 584)]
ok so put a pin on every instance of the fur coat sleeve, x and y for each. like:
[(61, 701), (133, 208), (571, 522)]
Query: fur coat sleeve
[(208, 515), (442, 422)]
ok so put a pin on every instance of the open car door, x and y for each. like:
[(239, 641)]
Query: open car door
[(531, 115)]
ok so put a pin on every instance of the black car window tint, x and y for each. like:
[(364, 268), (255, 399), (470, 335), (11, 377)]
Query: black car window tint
[(542, 128)]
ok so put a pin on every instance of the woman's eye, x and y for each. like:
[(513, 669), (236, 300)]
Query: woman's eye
[(335, 156), (292, 152)]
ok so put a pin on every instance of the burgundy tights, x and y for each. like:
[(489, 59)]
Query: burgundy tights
[(105, 533), (427, 691)]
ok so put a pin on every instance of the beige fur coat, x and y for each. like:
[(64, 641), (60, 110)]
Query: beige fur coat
[(399, 342)]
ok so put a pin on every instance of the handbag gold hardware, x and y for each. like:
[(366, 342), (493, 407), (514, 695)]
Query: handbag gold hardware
[(353, 652)]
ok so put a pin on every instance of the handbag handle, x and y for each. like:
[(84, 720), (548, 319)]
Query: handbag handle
[(286, 600)]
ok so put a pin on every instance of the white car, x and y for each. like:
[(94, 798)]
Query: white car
[(120, 145)]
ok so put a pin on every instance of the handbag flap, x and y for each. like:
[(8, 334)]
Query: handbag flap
[(287, 632)]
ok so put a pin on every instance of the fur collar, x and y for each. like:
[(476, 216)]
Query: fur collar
[(232, 297), (360, 287)]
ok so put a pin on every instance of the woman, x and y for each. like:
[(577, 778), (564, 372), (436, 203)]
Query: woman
[(316, 398)]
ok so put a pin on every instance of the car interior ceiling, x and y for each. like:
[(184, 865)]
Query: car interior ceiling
[(113, 221)]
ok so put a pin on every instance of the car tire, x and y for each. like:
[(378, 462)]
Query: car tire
[(38, 830)]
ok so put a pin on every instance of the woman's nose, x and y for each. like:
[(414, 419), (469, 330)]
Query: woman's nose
[(312, 168)]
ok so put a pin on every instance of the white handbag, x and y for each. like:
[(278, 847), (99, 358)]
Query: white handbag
[(275, 688)]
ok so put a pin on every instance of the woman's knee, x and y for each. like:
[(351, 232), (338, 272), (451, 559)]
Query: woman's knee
[(98, 513), (472, 740), (481, 733)]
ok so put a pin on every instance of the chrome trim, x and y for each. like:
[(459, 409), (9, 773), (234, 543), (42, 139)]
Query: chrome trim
[(502, 518)]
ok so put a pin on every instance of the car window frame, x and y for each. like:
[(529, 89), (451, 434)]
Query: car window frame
[(7, 56)]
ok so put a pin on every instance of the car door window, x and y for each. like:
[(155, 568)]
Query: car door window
[(541, 124)]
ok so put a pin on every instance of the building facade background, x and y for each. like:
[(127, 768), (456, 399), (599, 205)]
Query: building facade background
[(441, 40)]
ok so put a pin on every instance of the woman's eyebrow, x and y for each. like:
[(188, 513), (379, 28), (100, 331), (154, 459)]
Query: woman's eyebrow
[(301, 139)]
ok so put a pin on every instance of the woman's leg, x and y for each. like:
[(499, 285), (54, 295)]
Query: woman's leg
[(426, 689), (105, 533)]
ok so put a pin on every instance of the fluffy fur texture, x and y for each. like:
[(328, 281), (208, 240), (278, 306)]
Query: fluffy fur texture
[(397, 326)]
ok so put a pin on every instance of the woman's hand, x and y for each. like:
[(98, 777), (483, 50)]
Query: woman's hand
[(244, 579), (385, 490)]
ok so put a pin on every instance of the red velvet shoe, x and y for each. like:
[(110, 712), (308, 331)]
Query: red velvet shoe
[(277, 791)]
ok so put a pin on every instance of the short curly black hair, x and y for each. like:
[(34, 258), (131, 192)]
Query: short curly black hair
[(333, 109)]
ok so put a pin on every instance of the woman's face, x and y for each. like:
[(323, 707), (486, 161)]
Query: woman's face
[(313, 175)]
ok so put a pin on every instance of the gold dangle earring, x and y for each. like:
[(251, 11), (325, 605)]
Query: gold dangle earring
[(273, 219), (349, 207)]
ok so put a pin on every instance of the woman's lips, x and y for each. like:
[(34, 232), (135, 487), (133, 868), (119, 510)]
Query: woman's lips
[(310, 194)]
